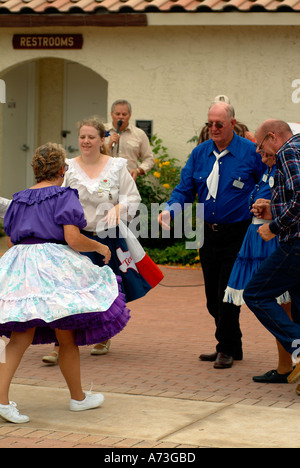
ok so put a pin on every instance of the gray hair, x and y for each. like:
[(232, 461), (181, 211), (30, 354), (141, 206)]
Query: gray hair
[(123, 102)]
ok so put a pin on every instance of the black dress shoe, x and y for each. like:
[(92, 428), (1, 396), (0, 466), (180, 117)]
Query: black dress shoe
[(213, 356), (272, 377), (208, 357), (223, 361)]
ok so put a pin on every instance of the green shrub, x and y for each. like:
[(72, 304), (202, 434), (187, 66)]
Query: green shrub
[(176, 254), (2, 232), (156, 187)]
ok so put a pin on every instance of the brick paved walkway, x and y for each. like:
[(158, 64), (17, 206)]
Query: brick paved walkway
[(157, 355)]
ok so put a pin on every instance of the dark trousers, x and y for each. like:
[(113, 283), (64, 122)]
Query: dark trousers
[(217, 257), (279, 273)]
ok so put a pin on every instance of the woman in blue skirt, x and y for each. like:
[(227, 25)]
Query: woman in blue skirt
[(108, 194), (253, 251)]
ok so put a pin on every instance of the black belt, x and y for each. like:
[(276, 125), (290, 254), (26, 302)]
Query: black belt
[(223, 227)]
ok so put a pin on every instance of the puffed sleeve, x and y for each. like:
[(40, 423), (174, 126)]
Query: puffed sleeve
[(8, 219), (69, 210)]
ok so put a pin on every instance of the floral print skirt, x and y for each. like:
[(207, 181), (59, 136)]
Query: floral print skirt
[(48, 286)]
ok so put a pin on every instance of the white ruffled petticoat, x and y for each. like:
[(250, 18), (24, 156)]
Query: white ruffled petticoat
[(50, 282)]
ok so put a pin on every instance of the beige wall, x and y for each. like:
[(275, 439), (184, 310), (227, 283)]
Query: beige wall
[(50, 79), (170, 74)]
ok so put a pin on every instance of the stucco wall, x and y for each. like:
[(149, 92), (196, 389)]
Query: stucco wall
[(170, 74), (50, 99)]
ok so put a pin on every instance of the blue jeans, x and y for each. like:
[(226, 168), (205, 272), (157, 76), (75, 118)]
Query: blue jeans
[(278, 273)]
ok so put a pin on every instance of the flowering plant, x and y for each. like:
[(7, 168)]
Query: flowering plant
[(163, 177), (156, 187)]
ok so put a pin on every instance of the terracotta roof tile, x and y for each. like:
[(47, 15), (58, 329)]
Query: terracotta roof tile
[(63, 6), (91, 6), (292, 3)]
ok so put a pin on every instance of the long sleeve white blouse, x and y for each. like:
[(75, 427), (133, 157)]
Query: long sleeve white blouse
[(97, 195)]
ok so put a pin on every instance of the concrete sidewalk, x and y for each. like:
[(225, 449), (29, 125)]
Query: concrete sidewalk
[(157, 392)]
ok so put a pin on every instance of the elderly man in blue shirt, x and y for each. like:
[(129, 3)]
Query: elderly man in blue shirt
[(222, 171)]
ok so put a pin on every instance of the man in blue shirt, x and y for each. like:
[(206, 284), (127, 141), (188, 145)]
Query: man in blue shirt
[(280, 272), (222, 172)]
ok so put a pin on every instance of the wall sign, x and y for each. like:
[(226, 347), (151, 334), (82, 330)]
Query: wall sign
[(47, 41), (145, 125)]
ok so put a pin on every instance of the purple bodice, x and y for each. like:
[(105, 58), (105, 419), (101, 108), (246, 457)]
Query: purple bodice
[(42, 213)]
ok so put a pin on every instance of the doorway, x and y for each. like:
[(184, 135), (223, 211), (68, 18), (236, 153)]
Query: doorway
[(85, 95), (18, 118), (45, 99)]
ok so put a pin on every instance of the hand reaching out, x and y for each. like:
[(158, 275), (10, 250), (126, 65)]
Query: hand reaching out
[(164, 219)]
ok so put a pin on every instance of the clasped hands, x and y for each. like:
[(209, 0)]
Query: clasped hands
[(262, 210)]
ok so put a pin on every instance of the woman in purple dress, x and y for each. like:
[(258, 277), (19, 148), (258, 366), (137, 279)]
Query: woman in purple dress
[(48, 291)]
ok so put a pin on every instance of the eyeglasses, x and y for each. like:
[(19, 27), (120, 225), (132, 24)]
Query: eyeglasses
[(260, 146), (217, 124)]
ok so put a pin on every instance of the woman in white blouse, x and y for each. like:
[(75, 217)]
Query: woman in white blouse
[(106, 192), (106, 189)]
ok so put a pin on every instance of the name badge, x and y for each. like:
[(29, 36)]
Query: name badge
[(104, 186), (271, 182), (238, 183)]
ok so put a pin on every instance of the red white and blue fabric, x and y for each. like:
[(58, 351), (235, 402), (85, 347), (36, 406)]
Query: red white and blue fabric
[(138, 259), (129, 261)]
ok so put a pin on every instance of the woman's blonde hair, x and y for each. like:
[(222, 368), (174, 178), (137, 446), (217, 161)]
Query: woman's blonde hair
[(98, 125), (47, 161)]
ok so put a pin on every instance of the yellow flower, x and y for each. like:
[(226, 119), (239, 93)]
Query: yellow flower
[(166, 186), (157, 174), (166, 163), (156, 161)]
